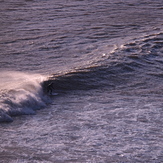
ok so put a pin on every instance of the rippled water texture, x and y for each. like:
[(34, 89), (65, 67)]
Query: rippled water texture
[(104, 60), (50, 36)]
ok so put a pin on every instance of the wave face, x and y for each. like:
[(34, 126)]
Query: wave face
[(20, 93), (136, 63)]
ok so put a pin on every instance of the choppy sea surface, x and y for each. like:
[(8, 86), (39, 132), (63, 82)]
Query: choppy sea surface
[(104, 60)]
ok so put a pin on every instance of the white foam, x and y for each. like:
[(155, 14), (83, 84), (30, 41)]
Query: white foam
[(21, 93)]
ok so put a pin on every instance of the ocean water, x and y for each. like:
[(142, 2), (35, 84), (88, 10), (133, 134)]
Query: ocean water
[(104, 60)]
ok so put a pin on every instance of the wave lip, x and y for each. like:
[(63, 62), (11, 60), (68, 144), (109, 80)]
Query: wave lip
[(20, 93)]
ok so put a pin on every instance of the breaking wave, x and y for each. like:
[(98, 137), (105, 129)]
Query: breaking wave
[(136, 65), (20, 93)]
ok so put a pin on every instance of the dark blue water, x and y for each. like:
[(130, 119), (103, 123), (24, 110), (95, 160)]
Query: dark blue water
[(104, 60)]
